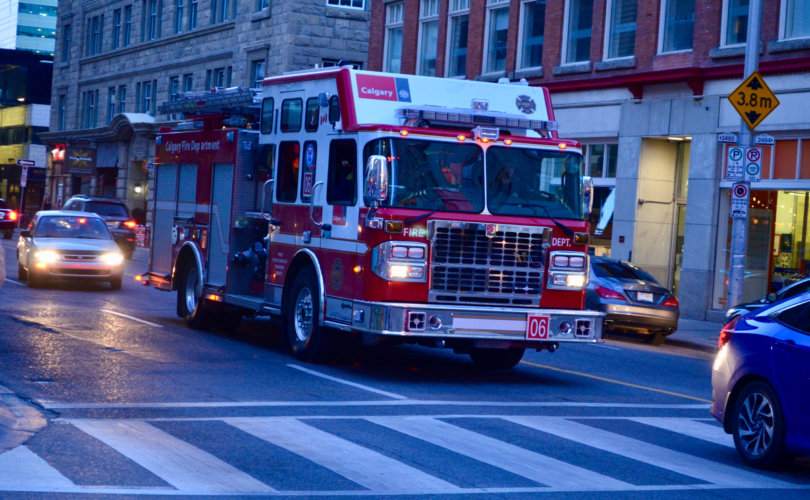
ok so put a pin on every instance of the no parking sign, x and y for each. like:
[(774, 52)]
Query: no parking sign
[(739, 201)]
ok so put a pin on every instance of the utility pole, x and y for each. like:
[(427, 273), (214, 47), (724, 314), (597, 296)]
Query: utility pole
[(739, 226)]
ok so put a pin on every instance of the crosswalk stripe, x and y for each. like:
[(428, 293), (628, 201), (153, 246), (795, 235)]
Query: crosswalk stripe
[(682, 463), (23, 470), (689, 427), (186, 467), (365, 467), (526, 463)]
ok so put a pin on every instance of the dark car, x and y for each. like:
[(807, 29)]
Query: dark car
[(115, 215), (761, 382), (792, 290), (8, 219), (631, 299)]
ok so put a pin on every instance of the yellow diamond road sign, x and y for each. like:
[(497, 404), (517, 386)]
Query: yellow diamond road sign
[(753, 100)]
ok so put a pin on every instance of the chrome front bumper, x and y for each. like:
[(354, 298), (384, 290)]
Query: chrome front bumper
[(463, 322)]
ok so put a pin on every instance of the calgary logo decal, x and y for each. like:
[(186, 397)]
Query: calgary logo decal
[(525, 104)]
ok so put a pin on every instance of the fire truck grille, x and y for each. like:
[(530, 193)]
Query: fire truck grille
[(487, 264)]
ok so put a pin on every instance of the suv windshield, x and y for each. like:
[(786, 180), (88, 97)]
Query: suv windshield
[(107, 209), (450, 176), (59, 226)]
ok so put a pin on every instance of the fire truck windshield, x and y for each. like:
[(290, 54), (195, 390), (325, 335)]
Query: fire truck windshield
[(452, 177)]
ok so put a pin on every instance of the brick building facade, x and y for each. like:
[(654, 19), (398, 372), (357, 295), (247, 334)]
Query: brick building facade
[(117, 61), (644, 87)]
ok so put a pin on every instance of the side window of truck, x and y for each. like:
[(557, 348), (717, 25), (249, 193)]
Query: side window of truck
[(334, 110), (267, 115), (291, 111), (289, 160), (342, 185), (313, 115)]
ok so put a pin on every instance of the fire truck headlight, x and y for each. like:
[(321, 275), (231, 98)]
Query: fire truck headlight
[(567, 280), (575, 280), (400, 261)]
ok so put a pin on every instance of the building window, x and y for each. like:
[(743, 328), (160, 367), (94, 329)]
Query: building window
[(61, 112), (110, 104), (256, 73), (735, 22), (262, 4), (151, 24), (146, 99), (89, 98), (116, 29), (174, 87), (122, 98), (459, 21), (677, 25), (95, 26), (192, 14), (621, 32), (127, 35), (393, 37), (428, 37), (178, 16), (218, 77), (578, 22), (531, 34), (188, 82), (347, 4), (66, 41), (222, 10), (601, 160), (497, 29), (795, 19)]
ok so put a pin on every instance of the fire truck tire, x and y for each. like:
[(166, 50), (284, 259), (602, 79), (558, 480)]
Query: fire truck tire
[(496, 359), (190, 304), (308, 341)]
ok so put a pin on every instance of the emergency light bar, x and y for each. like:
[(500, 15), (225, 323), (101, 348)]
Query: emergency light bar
[(202, 102), (461, 116)]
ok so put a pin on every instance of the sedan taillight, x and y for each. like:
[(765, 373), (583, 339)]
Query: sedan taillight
[(672, 302), (12, 215), (129, 224), (607, 293), (727, 332)]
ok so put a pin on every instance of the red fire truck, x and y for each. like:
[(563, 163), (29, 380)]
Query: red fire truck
[(372, 206)]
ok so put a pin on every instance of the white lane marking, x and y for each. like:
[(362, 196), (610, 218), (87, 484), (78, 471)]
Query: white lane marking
[(55, 405), (603, 346), (22, 470), (347, 382), (540, 468), (361, 465), (691, 428), (15, 282), (682, 463), (133, 318), (186, 467)]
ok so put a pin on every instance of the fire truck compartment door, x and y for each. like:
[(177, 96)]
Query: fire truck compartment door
[(165, 204), (221, 200)]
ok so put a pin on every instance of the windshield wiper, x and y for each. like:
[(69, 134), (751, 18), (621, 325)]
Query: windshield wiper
[(418, 218), (567, 230)]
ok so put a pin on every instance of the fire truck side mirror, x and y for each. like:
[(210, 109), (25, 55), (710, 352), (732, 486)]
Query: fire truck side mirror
[(376, 188), (587, 195)]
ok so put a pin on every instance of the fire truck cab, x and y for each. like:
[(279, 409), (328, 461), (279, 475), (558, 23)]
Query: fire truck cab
[(350, 203)]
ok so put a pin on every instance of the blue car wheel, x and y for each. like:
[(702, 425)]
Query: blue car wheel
[(758, 425)]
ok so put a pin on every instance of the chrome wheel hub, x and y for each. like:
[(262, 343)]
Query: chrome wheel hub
[(756, 424), (303, 315), (190, 292)]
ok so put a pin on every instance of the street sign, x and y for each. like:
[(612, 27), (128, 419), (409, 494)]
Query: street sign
[(753, 100), (735, 163), (753, 164), (26, 163), (23, 175), (764, 140), (727, 137), (739, 201)]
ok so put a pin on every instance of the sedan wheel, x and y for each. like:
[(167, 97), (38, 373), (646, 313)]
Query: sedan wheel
[(758, 426)]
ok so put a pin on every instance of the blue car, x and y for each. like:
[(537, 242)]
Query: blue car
[(761, 382)]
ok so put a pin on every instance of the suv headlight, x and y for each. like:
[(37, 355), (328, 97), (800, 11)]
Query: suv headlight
[(567, 270), (400, 261), (46, 256), (112, 258)]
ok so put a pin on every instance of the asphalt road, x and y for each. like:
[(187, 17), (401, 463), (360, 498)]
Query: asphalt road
[(136, 404)]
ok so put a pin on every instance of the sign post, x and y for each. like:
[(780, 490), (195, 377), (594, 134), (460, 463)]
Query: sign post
[(24, 165)]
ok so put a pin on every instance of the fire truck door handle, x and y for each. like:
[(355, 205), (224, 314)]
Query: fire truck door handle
[(312, 206), (266, 215)]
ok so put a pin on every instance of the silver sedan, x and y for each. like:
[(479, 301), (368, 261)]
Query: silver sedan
[(68, 245)]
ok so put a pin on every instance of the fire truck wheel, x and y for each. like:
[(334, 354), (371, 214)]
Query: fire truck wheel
[(308, 341), (496, 359), (190, 305)]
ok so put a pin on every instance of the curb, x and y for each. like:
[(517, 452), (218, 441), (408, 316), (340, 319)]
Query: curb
[(18, 420)]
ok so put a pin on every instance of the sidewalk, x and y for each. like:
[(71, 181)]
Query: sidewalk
[(696, 334)]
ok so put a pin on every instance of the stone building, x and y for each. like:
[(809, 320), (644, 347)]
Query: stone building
[(644, 87), (117, 61)]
